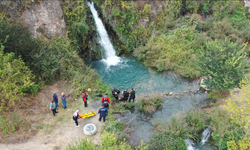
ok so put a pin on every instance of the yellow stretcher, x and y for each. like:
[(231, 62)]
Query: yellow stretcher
[(87, 115)]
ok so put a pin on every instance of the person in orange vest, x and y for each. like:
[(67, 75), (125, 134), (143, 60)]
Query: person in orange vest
[(105, 98), (85, 98)]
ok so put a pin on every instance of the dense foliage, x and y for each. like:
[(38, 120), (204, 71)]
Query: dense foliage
[(191, 124), (222, 64), (14, 77), (238, 106), (108, 142), (172, 39)]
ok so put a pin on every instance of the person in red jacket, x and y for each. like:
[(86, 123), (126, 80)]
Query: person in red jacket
[(85, 98), (105, 98)]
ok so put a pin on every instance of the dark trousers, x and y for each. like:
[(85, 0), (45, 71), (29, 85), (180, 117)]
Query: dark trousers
[(56, 105), (125, 98), (85, 103), (76, 122), (132, 99), (54, 111), (100, 119)]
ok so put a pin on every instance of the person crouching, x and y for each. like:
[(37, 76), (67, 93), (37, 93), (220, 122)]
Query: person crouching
[(75, 117), (103, 113)]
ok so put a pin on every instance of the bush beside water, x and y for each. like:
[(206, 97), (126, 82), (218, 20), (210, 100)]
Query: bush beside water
[(150, 105), (191, 124)]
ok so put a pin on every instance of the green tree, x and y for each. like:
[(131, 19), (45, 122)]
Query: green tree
[(223, 64), (14, 76)]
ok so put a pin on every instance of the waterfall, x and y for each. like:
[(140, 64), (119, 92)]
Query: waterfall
[(198, 146), (205, 136), (109, 56), (189, 144)]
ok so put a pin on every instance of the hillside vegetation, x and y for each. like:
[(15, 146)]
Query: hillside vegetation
[(174, 38)]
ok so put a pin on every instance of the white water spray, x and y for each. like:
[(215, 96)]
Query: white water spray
[(109, 56), (189, 144), (205, 136)]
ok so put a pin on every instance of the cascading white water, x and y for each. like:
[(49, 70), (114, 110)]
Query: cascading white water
[(205, 136), (192, 146), (109, 56), (189, 144)]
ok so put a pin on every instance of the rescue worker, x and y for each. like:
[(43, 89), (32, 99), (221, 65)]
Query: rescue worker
[(106, 105), (115, 93), (103, 113), (105, 98), (85, 98), (126, 95), (132, 95), (75, 117)]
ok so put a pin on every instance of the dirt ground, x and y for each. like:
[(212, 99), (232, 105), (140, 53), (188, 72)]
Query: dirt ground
[(54, 133)]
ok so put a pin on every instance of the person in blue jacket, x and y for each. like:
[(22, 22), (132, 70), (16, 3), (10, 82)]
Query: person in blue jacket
[(103, 113), (55, 99)]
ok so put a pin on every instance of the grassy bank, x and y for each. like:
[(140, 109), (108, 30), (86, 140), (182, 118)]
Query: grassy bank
[(191, 124)]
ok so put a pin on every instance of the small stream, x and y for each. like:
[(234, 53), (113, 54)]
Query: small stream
[(126, 73)]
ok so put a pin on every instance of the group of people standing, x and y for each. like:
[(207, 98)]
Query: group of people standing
[(125, 95), (54, 103)]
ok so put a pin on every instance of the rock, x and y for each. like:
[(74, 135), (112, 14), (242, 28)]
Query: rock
[(45, 19), (195, 92), (166, 93), (189, 89), (182, 93), (170, 94), (247, 4), (177, 96)]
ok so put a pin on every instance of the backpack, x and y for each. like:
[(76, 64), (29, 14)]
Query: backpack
[(105, 99), (126, 94)]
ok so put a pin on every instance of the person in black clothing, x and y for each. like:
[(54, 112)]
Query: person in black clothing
[(106, 105), (116, 96), (132, 95), (125, 95), (115, 93), (103, 113)]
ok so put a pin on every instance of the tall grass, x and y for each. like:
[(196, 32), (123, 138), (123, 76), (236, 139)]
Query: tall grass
[(150, 105), (191, 124)]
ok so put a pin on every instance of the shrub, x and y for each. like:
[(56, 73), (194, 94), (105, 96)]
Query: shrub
[(14, 76), (83, 144), (114, 127), (223, 64), (210, 95), (149, 105), (170, 136)]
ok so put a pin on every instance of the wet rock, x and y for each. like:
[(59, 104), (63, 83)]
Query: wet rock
[(166, 93), (178, 96), (170, 94), (189, 89), (182, 93), (195, 92)]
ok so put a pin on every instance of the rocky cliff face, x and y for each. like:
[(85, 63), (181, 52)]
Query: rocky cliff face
[(43, 17), (247, 4)]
